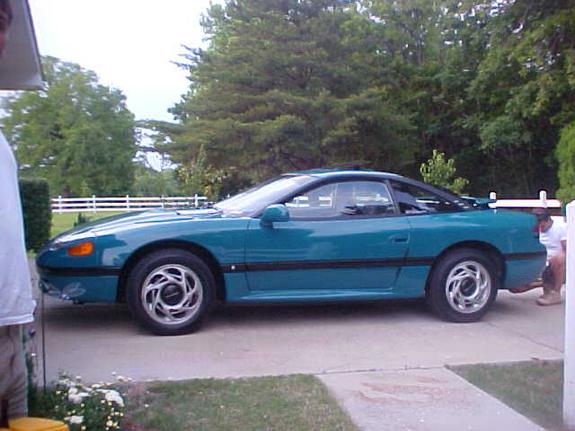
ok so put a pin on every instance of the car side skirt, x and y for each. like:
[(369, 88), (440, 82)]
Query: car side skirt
[(409, 284), (535, 257)]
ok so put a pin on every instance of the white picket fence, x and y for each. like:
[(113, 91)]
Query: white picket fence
[(96, 204), (542, 202), (130, 203)]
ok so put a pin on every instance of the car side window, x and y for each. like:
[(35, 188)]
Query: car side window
[(415, 200), (343, 199)]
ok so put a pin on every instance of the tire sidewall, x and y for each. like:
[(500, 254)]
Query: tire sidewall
[(153, 261), (437, 296)]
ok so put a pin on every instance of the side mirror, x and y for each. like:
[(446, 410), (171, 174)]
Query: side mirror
[(274, 214)]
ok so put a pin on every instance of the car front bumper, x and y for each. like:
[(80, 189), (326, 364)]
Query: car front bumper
[(98, 285)]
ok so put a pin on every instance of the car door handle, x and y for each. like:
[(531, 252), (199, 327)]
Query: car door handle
[(399, 238)]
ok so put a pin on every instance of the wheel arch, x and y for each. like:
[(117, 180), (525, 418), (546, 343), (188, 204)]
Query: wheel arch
[(489, 250), (201, 252)]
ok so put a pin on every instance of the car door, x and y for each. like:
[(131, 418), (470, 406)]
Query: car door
[(436, 223), (341, 235)]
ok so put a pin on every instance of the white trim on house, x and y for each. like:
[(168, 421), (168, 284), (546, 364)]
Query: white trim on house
[(20, 66)]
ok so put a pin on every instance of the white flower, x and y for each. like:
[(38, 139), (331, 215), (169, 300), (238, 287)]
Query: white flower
[(114, 397), (77, 397), (76, 420), (74, 398)]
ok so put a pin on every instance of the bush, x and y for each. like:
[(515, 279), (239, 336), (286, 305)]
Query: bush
[(37, 211), (441, 172), (565, 154)]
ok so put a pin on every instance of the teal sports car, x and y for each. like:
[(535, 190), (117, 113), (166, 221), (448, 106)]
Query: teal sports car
[(314, 236)]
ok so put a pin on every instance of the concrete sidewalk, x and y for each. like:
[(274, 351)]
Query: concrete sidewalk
[(420, 400)]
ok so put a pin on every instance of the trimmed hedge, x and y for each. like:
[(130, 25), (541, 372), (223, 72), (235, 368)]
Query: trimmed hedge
[(37, 210)]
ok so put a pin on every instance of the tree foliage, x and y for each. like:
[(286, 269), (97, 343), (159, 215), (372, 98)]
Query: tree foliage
[(151, 182), (278, 90), (76, 133), (566, 155), (291, 84), (441, 172), (525, 89)]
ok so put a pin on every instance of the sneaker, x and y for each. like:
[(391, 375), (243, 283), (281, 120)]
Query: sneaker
[(550, 298)]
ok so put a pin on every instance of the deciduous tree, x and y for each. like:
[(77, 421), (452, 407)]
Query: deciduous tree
[(76, 133)]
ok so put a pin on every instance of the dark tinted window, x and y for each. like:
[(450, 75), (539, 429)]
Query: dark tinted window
[(350, 198), (415, 200)]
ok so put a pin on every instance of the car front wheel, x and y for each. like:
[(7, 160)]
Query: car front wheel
[(170, 291), (463, 286)]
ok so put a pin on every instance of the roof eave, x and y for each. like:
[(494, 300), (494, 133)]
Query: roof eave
[(20, 65)]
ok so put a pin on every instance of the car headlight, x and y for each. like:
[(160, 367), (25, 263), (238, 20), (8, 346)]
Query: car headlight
[(76, 244), (85, 248)]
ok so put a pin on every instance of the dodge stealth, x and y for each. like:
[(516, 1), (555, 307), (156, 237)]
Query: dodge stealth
[(314, 236)]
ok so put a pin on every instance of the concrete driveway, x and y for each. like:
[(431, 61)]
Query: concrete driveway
[(95, 340)]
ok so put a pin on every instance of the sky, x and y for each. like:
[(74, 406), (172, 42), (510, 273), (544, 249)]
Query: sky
[(130, 44)]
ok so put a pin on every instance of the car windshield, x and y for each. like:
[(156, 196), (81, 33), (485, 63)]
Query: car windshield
[(258, 197)]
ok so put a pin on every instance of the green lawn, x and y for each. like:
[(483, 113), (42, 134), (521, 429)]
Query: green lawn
[(295, 402), (63, 222), (534, 388)]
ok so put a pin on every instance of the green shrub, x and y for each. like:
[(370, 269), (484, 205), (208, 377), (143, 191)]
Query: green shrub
[(441, 172), (37, 211), (565, 154), (81, 219)]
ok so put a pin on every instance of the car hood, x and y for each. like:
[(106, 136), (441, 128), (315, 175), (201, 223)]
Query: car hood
[(137, 218)]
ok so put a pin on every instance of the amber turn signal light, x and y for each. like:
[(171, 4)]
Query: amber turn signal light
[(85, 248)]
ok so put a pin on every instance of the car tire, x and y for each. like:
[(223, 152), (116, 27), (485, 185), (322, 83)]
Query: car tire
[(170, 291), (462, 286)]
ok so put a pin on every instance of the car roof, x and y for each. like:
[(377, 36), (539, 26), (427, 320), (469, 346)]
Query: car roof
[(326, 173), (371, 174)]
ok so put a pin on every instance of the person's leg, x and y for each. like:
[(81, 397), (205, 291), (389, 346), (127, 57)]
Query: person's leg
[(553, 279), (558, 267), (13, 375)]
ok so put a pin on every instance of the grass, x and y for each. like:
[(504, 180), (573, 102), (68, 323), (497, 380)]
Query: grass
[(534, 388), (264, 403), (65, 221)]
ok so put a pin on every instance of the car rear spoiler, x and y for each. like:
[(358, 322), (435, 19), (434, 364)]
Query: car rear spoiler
[(480, 203)]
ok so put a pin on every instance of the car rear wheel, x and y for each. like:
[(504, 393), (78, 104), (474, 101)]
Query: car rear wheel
[(463, 286), (170, 291)]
